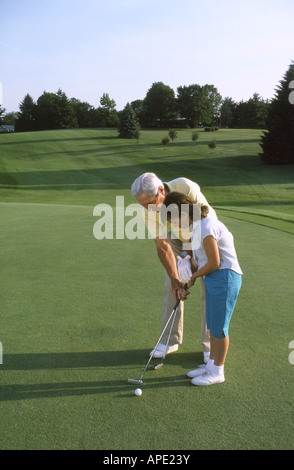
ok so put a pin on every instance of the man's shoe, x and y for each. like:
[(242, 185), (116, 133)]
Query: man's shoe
[(199, 371), (160, 351), (208, 379)]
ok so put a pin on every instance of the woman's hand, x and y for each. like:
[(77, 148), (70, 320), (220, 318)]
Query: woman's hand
[(194, 265)]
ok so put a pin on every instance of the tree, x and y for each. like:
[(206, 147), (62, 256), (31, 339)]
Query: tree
[(108, 112), (258, 109), (138, 107), (10, 118), (55, 111), (213, 99), (82, 111), (2, 111), (278, 142), (251, 114), (66, 118), (46, 112), (129, 125), (195, 136), (173, 134), (107, 103), (26, 120), (159, 104), (228, 112), (199, 104)]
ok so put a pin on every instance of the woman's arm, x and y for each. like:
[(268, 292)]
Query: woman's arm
[(213, 259), (213, 263)]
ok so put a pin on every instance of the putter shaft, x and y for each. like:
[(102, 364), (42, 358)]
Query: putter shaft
[(156, 346)]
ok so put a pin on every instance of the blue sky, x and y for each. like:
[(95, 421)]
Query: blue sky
[(121, 47)]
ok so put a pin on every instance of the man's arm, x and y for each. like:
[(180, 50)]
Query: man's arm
[(167, 258)]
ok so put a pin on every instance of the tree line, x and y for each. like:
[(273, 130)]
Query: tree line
[(192, 106)]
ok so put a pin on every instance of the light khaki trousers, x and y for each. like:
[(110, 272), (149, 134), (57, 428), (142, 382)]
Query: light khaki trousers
[(168, 305)]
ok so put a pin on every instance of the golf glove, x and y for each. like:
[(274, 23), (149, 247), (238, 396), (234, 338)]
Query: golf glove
[(184, 268)]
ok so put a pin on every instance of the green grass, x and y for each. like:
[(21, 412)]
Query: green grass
[(79, 316)]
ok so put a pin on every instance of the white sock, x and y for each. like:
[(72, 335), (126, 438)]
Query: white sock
[(217, 370), (209, 364)]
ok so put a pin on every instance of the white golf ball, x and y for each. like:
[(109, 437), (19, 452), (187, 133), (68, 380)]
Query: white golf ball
[(138, 392)]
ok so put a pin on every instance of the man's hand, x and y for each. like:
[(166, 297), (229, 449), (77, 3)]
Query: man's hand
[(183, 293), (177, 285), (179, 289)]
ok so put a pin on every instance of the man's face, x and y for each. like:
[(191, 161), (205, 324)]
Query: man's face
[(144, 199)]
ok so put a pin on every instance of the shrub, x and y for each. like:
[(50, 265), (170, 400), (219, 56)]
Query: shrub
[(211, 129), (195, 136), (165, 140), (137, 134), (212, 144), (173, 134)]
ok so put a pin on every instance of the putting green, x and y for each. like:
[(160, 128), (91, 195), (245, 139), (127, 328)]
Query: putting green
[(79, 317)]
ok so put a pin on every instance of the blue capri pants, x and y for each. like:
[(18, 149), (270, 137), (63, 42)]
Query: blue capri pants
[(221, 288)]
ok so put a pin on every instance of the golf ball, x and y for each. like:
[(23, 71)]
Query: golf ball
[(138, 392)]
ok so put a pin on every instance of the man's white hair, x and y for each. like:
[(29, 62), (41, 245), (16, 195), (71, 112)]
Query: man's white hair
[(146, 183)]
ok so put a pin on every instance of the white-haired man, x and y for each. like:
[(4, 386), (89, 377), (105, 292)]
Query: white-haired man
[(149, 190)]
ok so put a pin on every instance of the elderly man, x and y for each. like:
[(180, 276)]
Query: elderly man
[(150, 191)]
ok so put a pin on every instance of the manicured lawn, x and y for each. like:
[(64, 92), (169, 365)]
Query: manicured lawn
[(79, 316)]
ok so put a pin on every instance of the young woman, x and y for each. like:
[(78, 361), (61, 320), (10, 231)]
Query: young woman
[(215, 260)]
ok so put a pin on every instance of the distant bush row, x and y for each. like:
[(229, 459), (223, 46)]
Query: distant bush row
[(172, 135), (211, 129)]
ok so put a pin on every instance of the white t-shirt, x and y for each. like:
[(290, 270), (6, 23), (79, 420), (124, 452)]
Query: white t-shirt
[(225, 241)]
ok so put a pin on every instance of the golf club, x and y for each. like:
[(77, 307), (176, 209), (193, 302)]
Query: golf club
[(160, 364), (140, 380)]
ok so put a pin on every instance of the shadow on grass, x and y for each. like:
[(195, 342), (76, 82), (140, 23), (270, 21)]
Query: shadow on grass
[(224, 171), (131, 363)]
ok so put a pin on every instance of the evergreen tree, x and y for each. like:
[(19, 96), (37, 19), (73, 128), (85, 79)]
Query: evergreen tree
[(128, 123), (26, 120), (228, 110), (278, 142), (66, 117)]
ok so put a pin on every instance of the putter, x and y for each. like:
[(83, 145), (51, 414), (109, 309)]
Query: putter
[(140, 380), (160, 364)]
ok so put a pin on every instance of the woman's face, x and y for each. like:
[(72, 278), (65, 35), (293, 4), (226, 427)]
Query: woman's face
[(182, 222)]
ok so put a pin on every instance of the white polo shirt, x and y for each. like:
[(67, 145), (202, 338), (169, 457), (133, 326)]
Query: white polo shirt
[(225, 241)]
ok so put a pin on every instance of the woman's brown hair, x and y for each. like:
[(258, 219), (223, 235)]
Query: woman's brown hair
[(179, 199)]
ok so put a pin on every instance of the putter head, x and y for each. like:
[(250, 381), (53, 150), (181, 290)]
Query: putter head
[(134, 381), (157, 366)]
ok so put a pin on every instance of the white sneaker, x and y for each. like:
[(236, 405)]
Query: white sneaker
[(199, 371), (208, 379), (160, 351)]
